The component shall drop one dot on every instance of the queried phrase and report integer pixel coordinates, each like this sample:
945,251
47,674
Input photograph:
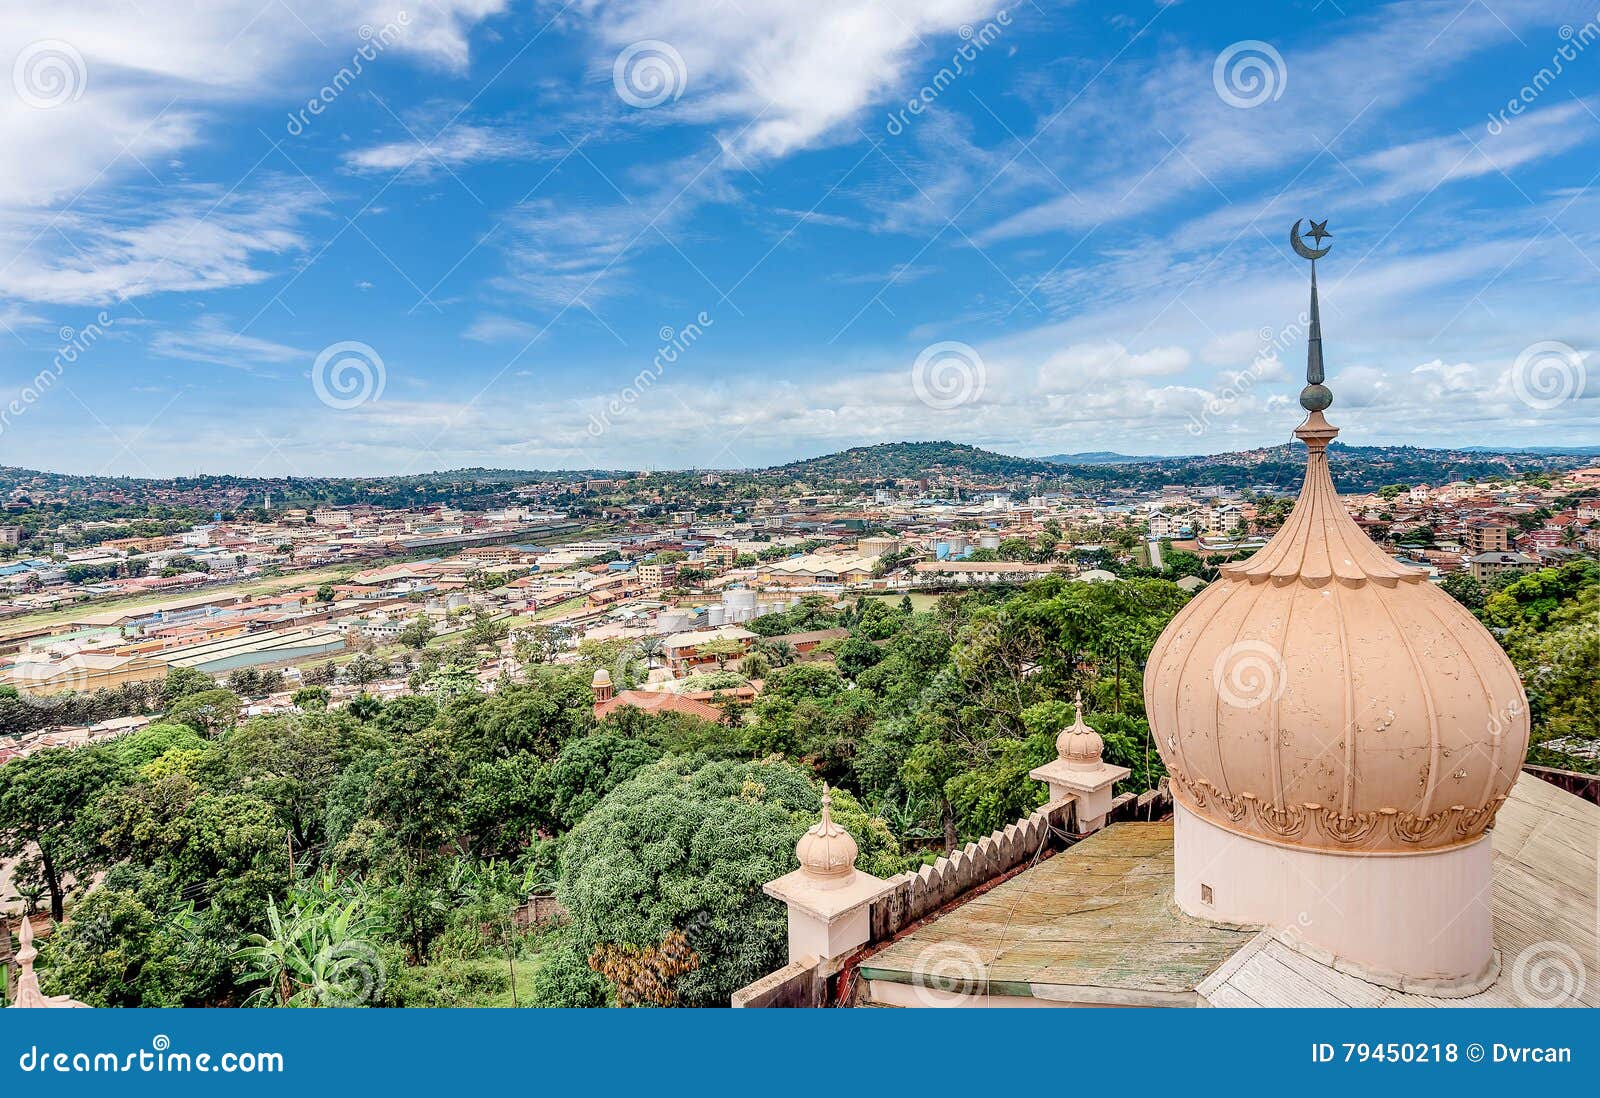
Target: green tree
209,712
687,848
47,818
417,632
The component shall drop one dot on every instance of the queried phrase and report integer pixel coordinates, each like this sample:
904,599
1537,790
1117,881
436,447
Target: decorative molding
1377,831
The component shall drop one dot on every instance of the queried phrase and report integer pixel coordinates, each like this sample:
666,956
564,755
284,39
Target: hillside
902,460
1354,468
1100,457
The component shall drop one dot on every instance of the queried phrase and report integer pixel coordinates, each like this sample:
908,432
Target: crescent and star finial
1319,233
1315,397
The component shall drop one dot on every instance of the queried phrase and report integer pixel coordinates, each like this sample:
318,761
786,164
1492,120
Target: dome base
1421,922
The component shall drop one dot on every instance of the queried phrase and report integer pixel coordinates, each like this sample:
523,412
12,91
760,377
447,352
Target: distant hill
189,499
915,459
1354,468
1100,457
1571,451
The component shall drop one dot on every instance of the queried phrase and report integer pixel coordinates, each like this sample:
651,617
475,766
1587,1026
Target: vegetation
1549,624
378,852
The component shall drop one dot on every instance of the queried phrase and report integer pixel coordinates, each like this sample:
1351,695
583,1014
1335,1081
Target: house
607,701
683,651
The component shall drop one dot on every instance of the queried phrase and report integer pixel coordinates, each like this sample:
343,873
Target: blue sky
501,211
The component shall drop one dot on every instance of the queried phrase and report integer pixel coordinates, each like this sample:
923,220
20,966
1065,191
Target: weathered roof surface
1545,842
1096,923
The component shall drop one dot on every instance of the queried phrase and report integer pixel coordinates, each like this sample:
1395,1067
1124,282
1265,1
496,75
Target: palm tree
321,953
779,653
650,648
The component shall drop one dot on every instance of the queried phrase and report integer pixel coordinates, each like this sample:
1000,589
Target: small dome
1079,745
827,853
602,677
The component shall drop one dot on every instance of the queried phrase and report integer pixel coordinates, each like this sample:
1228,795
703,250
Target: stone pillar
1078,773
829,899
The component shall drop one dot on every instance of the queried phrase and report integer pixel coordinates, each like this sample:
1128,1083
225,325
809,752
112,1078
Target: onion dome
1321,694
827,853
1080,746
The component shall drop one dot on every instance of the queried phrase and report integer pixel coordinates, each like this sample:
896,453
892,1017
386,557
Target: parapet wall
915,896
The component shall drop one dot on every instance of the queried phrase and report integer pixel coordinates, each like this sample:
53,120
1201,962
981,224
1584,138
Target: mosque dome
602,677
1322,695
827,853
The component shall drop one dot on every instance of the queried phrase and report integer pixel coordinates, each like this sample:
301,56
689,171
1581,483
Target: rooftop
1094,924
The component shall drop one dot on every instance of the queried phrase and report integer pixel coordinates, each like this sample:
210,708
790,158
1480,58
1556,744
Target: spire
1320,541
1314,374
28,993
1315,397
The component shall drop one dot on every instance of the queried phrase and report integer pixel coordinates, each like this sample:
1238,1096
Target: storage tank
989,541
737,601
715,616
674,621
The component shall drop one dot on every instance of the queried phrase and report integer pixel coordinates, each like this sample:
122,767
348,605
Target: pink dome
1323,695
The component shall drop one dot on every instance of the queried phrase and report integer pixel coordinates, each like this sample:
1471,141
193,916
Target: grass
560,608
919,602
526,968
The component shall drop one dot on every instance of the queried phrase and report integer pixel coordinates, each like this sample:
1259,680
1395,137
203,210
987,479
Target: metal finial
1315,397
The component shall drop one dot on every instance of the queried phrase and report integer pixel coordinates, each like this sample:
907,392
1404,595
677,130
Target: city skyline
364,241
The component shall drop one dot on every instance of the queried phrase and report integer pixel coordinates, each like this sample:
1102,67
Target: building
1485,537
1489,565
607,701
10,535
684,651
658,575
82,673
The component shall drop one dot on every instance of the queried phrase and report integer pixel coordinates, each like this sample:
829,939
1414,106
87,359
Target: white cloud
200,238
458,144
493,328
137,75
211,339
783,75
